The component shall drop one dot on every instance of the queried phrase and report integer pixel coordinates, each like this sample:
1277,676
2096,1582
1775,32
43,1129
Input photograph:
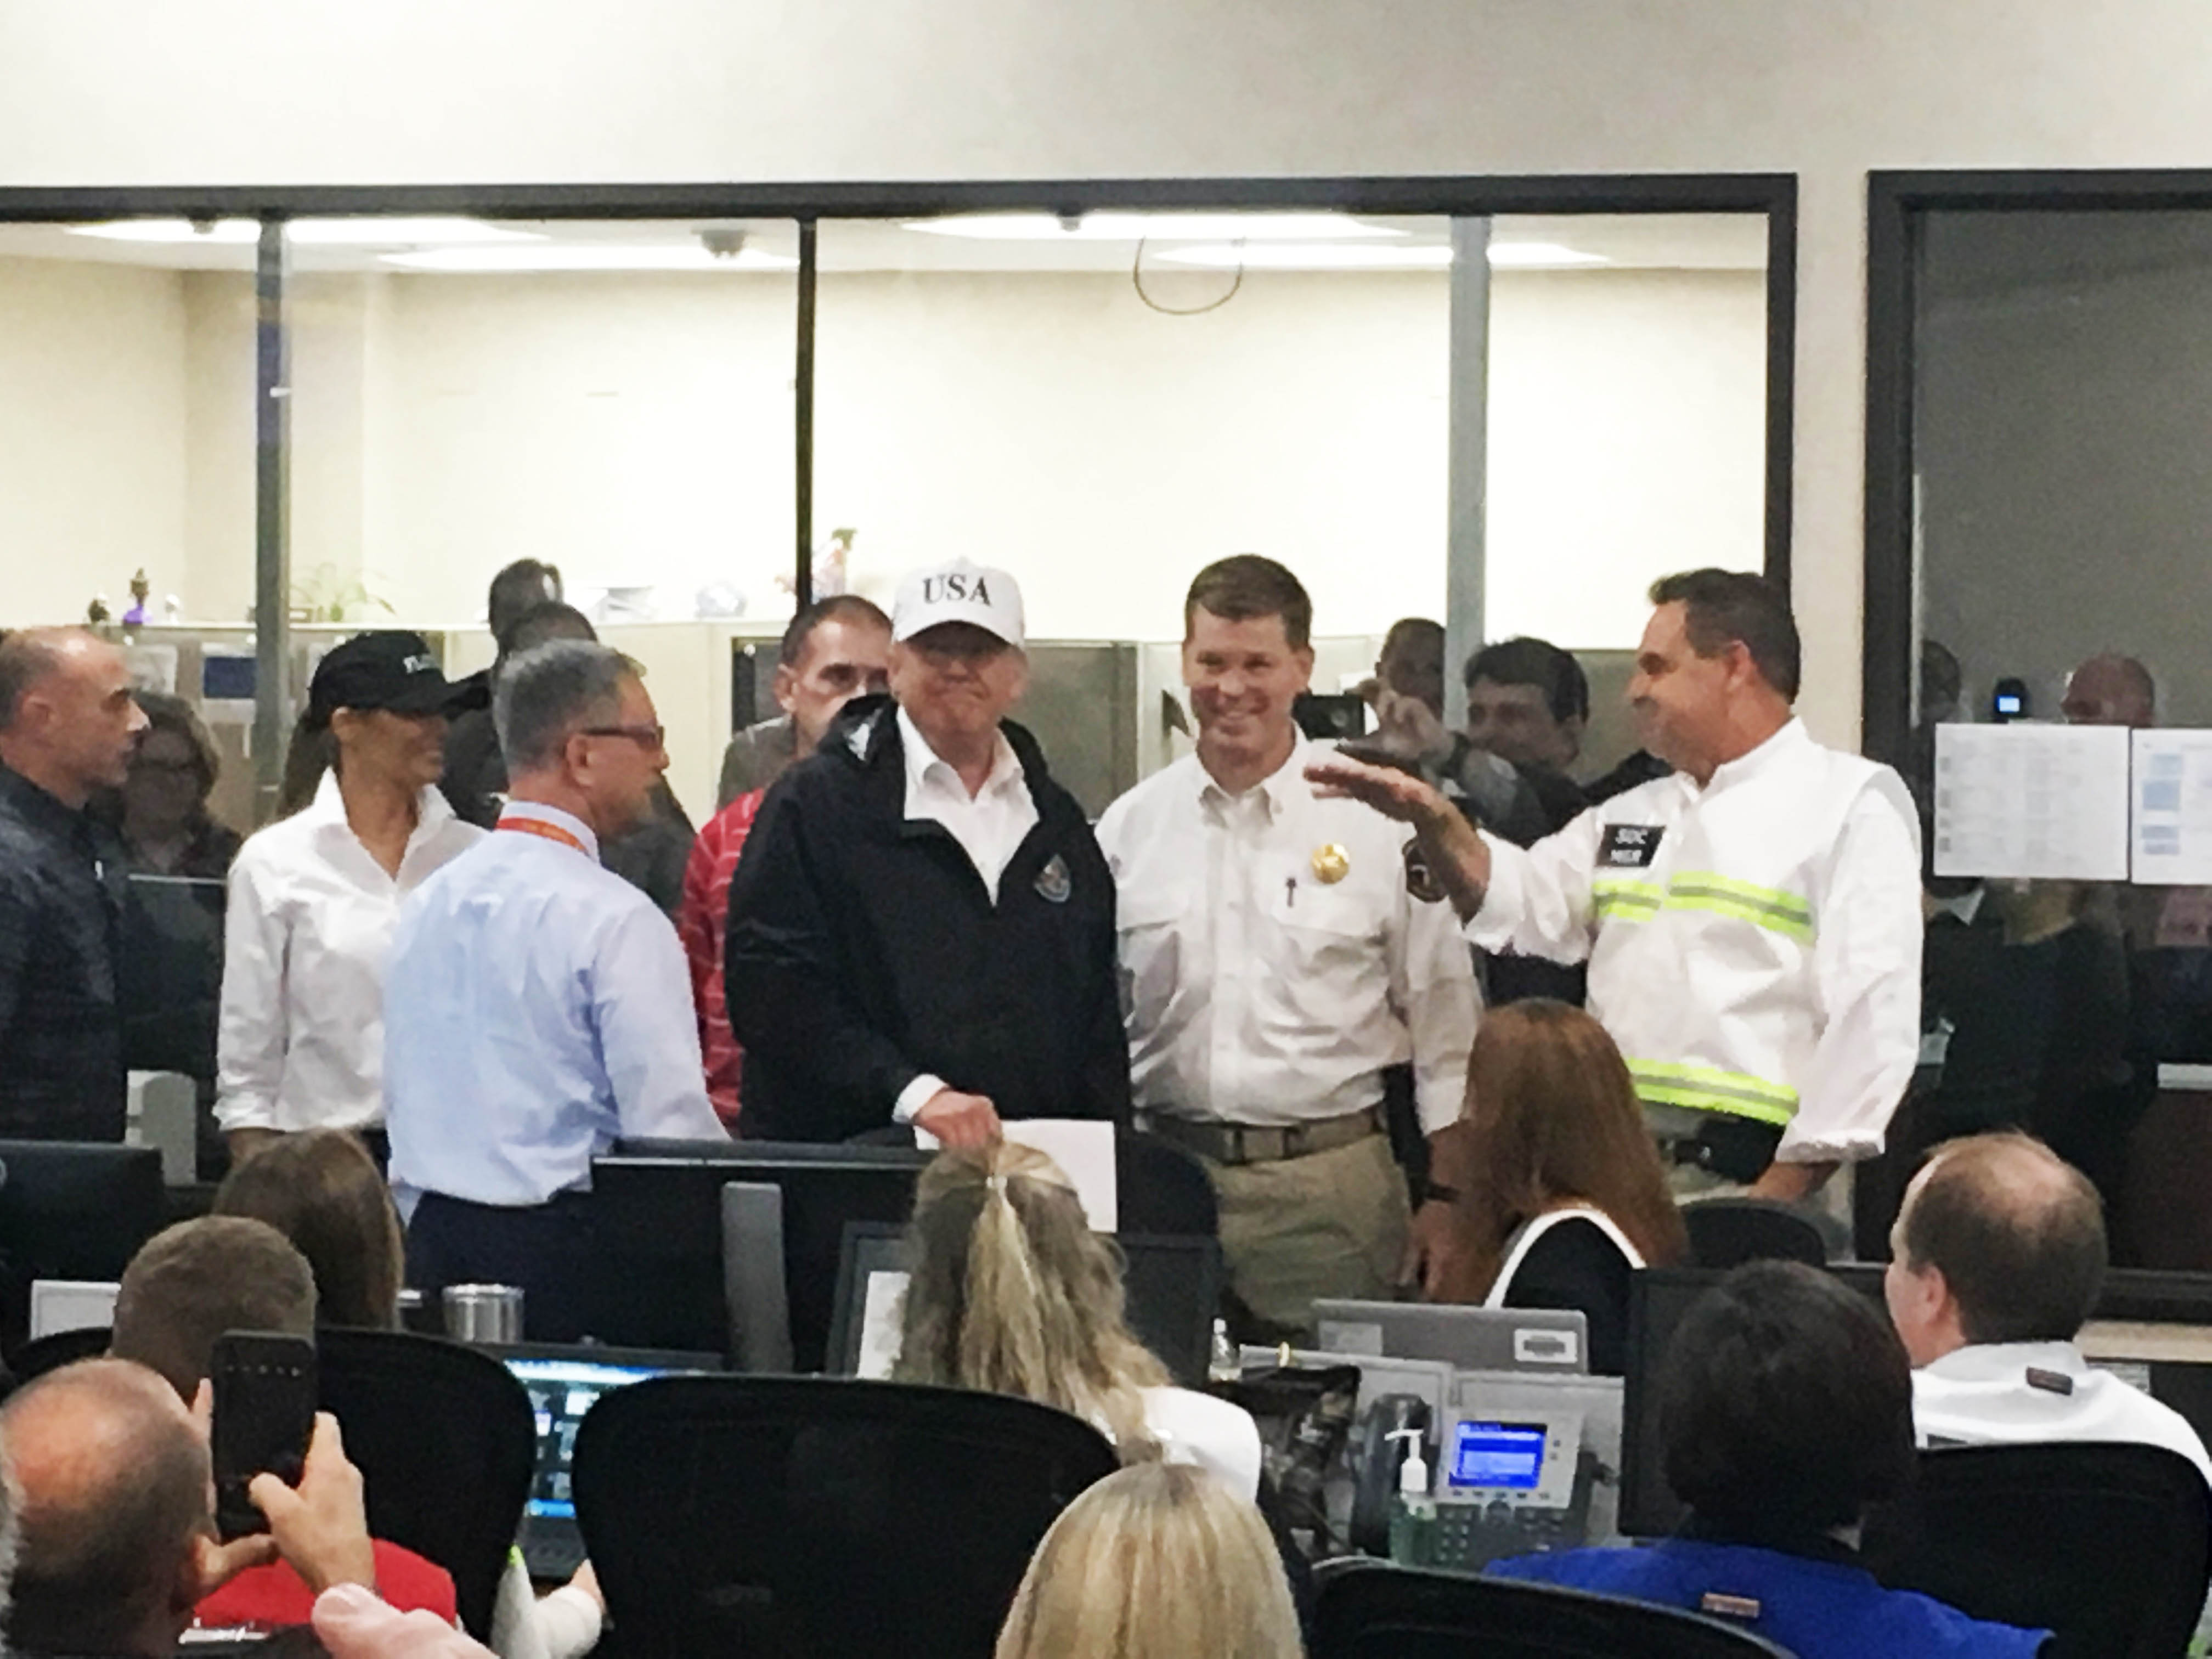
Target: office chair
2109,1546
56,1349
1161,1191
1727,1232
446,1445
818,1517
1371,1610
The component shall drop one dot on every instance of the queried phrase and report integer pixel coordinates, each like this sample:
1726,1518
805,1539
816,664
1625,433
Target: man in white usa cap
921,930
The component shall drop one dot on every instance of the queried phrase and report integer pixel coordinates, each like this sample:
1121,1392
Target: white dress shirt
1256,991
1981,1395
301,1041
538,1008
990,826
1753,944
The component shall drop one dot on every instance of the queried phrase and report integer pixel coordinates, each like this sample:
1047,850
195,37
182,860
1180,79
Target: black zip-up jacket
864,951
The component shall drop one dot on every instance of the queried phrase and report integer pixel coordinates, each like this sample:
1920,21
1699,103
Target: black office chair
1371,1610
447,1444
56,1349
817,1517
2109,1546
1161,1191
1727,1232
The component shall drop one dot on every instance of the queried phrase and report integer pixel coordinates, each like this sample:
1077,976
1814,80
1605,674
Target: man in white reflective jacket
1752,922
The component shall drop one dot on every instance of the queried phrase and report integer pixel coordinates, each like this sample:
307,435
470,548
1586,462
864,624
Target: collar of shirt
538,813
926,775
1791,740
1964,907
38,809
2005,1362
1278,791
327,811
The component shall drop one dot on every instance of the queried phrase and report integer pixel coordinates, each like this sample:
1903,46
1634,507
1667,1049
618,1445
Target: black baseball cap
390,668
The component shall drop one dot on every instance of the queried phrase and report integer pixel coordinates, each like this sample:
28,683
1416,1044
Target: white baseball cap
959,592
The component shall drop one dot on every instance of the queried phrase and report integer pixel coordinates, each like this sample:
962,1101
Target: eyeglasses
645,736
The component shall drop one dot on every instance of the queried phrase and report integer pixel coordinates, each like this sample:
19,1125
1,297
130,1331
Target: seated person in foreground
1998,1255
114,1491
1785,1407
184,1288
1160,1561
1558,1195
1012,1293
322,1190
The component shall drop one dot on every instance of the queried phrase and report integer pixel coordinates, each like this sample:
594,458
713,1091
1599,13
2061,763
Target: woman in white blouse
313,896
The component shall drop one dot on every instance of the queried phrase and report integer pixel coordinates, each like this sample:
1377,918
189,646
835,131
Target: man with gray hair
67,726
536,1007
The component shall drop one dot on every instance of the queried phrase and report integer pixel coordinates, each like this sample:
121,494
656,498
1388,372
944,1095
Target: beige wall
136,92
92,460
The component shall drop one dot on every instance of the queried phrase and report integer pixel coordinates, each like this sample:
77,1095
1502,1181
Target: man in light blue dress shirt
536,1007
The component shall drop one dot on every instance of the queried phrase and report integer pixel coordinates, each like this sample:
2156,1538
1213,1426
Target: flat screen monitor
71,1210
658,1209
1173,1287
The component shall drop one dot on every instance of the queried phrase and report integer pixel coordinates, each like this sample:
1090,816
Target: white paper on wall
2031,802
2172,842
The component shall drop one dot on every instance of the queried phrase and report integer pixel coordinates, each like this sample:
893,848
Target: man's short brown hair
2017,1233
193,1281
1244,587
1734,607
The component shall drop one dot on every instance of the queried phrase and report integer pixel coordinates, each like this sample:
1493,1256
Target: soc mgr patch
1629,846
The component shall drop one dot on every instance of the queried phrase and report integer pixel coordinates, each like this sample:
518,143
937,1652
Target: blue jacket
1826,1608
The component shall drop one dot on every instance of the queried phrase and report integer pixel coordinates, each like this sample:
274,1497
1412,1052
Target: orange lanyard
547,832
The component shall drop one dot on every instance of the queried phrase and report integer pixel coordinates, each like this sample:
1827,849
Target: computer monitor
658,1210
1173,1287
71,1304
564,1383
71,1210
1546,1339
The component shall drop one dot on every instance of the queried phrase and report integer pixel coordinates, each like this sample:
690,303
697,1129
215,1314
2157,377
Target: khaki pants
1330,1224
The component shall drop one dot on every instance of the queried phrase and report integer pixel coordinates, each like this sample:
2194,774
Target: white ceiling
1640,241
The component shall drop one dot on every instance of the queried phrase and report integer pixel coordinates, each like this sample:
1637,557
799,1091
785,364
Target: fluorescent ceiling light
222,232
366,232
400,233
1321,256
1354,256
1542,256
1109,226
602,256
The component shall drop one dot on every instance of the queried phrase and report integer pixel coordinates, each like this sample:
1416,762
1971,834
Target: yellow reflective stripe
1764,907
1700,1089
1631,901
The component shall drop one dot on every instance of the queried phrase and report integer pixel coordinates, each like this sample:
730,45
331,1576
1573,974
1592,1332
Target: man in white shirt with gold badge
1752,922
1279,953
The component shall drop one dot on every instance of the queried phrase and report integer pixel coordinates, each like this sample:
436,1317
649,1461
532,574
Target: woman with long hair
1560,1193
1155,1562
314,896
1010,1292
322,1190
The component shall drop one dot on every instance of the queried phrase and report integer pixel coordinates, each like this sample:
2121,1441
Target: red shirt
275,1597
702,922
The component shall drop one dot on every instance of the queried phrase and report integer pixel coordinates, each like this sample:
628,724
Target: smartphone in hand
265,1391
